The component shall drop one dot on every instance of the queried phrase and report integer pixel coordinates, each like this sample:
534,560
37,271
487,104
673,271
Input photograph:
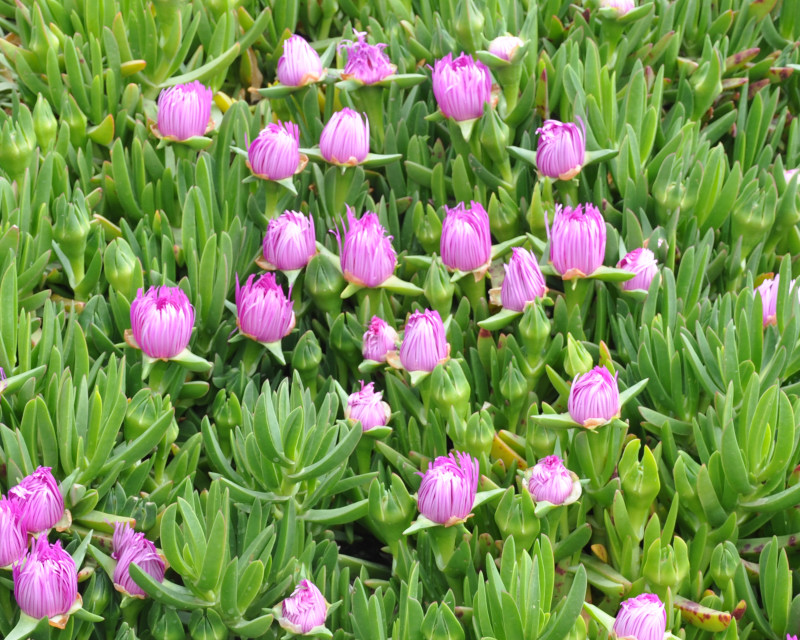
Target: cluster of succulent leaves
249,478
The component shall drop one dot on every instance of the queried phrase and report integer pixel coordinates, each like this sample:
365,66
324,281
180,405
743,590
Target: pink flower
641,618
379,338
561,150
345,138
264,313
162,320
304,609
38,501
132,547
577,240
622,6
368,406
184,110
275,153
466,242
366,62
788,174
424,342
461,87
788,637
505,46
550,481
365,252
300,64
45,582
448,488
643,263
13,536
290,241
594,398
768,290
524,281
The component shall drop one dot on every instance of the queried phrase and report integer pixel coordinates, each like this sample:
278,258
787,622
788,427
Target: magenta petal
449,487
424,342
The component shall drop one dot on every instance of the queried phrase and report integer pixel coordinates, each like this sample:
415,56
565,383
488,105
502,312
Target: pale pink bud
505,46
133,547
300,64
448,488
641,618
461,87
366,62
264,312
368,407
466,242
641,262
38,500
622,6
524,281
788,174
275,153
13,536
379,339
365,252
162,320
290,241
768,290
345,138
184,110
45,582
304,609
561,150
550,481
424,342
594,397
577,240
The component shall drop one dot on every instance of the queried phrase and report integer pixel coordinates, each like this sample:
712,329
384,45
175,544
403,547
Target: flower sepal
610,13
198,143
501,318
372,159
392,283
497,63
606,274
13,383
402,80
186,358
28,625
481,497
377,433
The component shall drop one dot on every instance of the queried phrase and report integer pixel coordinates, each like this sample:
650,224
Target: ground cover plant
442,319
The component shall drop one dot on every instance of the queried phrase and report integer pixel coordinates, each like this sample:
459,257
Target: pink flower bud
448,488
365,252
788,637
461,87
577,240
550,481
643,263
366,62
622,6
45,582
379,338
424,342
594,397
768,290
368,406
345,139
38,501
275,153
505,46
300,64
184,110
162,320
641,618
561,150
132,547
524,281
13,536
264,313
466,242
290,241
788,174
304,609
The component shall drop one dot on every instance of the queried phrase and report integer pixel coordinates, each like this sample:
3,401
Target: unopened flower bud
534,329
307,354
379,339
324,283
184,111
345,138
13,534
561,150
468,25
424,342
594,398
168,626
642,618
366,253
621,6
550,481
577,240
515,516
161,321
206,624
300,64
438,288
367,406
226,410
523,282
45,124
577,359
38,501
505,46
141,413
275,153
466,242
725,561
290,241
133,547
768,291
461,87
427,227
264,312
120,264
450,388
641,262
46,581
448,488
304,610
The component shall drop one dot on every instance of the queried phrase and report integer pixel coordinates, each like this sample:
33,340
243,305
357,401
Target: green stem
568,190
343,182
474,291
575,292
369,303
370,100
251,357
364,450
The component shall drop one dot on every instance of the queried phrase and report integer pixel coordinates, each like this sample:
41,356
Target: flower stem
474,291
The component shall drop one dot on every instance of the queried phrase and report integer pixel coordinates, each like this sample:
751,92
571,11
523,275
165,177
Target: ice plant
184,111
577,240
524,281
305,609
562,149
642,263
622,6
46,581
550,481
461,87
424,342
367,405
13,536
788,174
641,618
466,242
275,153
290,241
38,500
594,398
161,321
505,46
379,338
448,488
300,64
133,547
365,251
264,313
345,138
366,62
